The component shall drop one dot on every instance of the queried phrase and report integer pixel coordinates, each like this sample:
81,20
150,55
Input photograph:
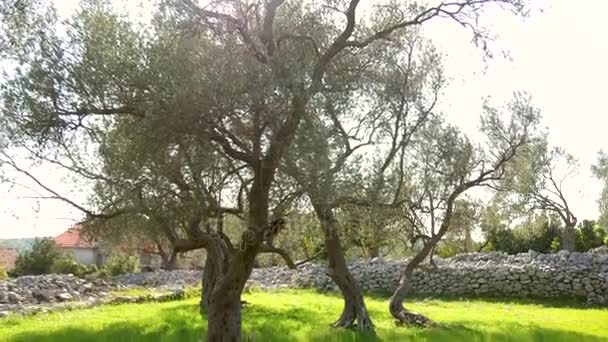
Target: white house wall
85,256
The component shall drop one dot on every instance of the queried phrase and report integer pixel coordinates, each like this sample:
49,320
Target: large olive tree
241,76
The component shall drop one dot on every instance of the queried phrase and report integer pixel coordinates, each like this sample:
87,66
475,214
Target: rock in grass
64,297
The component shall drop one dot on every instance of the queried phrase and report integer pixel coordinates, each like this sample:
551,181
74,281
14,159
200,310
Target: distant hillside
19,244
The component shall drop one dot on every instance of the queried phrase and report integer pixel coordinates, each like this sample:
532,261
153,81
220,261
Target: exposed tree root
347,321
351,320
413,319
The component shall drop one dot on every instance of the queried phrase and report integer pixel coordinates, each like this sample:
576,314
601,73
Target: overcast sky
558,56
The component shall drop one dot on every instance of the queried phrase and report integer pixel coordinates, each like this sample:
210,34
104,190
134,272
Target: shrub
67,264
589,235
446,250
38,260
3,274
555,245
92,269
539,235
120,263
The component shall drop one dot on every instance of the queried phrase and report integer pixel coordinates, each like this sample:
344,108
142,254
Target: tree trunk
568,238
373,252
170,263
431,253
216,263
224,319
396,308
224,311
210,278
354,304
224,314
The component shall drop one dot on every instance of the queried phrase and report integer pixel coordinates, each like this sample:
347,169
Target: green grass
304,316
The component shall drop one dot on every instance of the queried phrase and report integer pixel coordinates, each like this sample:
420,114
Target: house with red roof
85,251
8,256
89,252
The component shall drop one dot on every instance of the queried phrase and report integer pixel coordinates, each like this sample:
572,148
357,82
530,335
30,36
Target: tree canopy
254,111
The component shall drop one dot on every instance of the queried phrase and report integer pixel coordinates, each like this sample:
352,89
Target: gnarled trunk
396,308
216,264
224,319
224,313
354,303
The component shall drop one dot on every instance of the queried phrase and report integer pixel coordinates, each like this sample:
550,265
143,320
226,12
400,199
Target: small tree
445,165
120,263
67,264
38,260
533,183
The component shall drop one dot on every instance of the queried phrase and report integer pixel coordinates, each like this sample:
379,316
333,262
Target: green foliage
447,250
3,274
92,269
67,264
589,235
120,263
542,234
38,260
538,235
44,257
555,245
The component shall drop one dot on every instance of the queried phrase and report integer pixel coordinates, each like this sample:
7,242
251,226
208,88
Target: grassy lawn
304,316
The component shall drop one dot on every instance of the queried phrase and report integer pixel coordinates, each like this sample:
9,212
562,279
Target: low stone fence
570,275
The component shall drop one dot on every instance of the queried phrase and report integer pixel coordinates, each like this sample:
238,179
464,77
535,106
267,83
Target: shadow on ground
266,324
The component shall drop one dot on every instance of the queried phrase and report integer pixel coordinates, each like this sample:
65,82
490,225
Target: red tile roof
73,238
7,258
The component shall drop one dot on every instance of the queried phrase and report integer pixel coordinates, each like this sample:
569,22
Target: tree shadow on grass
297,324
570,303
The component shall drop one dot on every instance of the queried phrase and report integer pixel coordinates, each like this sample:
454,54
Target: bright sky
558,56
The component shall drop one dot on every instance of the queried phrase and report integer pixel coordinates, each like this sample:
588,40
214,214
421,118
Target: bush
38,260
539,235
92,269
120,263
3,274
555,245
67,264
589,235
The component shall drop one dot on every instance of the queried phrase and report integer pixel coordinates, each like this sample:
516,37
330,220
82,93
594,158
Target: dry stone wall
570,275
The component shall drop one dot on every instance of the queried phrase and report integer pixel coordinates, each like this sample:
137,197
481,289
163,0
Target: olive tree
399,88
442,165
535,183
240,76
